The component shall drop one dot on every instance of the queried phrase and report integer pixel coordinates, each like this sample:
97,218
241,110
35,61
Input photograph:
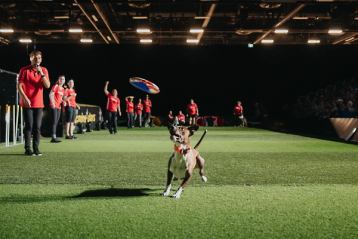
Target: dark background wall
215,76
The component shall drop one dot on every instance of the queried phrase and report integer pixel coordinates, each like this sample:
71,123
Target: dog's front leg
186,180
169,178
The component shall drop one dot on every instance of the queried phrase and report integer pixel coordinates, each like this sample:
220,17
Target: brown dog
184,159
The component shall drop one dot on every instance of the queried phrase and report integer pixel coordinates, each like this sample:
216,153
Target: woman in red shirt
130,111
71,105
193,112
32,79
113,107
56,98
138,112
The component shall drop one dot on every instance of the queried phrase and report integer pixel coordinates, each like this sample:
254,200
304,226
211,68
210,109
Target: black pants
56,113
147,121
112,122
130,118
33,120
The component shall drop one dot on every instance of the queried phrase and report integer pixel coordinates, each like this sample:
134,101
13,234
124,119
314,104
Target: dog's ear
192,129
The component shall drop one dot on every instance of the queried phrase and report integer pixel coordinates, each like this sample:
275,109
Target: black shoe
74,137
37,153
55,140
68,137
28,152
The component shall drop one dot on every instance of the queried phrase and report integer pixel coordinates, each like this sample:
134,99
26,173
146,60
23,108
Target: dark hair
34,53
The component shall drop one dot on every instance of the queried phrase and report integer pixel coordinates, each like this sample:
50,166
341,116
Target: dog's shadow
116,192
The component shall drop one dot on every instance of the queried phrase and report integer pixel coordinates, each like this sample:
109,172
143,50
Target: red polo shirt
238,110
58,92
130,107
112,103
147,106
72,101
181,117
192,109
139,108
32,85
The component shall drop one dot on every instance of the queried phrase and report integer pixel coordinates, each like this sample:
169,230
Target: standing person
71,105
113,106
56,98
130,111
193,112
32,79
147,111
181,118
239,114
138,113
170,118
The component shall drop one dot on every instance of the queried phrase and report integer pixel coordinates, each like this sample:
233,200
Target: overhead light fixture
196,30
192,41
335,31
140,17
86,40
25,40
6,30
356,18
95,18
313,41
200,17
61,17
267,41
300,18
75,30
250,45
109,38
146,41
281,31
144,31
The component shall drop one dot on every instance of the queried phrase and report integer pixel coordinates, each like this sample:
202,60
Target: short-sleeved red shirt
192,109
112,103
147,105
32,85
129,106
72,101
139,108
181,117
58,93
238,110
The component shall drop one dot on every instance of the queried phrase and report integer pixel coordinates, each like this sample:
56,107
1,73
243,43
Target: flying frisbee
144,85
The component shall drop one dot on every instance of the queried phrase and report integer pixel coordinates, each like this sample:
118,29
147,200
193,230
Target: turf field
261,184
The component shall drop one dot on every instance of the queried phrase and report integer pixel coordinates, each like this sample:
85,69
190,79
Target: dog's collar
180,149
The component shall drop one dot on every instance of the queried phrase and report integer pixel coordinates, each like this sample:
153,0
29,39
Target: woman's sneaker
37,153
28,152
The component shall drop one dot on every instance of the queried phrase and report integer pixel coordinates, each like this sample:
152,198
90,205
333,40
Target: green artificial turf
261,184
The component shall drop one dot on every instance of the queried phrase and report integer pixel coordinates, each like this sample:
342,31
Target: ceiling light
75,30
313,41
300,18
250,45
200,17
146,41
192,41
86,40
335,31
95,18
6,30
196,30
267,41
109,38
143,31
140,17
61,17
281,31
25,40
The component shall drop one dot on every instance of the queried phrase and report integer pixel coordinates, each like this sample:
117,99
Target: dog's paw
166,193
178,193
204,179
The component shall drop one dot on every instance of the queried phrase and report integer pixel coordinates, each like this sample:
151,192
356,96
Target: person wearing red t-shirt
32,79
70,109
138,112
148,111
239,114
130,111
113,108
56,98
171,118
193,112
181,118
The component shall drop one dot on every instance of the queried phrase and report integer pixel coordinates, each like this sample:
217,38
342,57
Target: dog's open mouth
177,138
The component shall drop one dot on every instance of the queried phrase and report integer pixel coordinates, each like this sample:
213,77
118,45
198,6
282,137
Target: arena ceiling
168,22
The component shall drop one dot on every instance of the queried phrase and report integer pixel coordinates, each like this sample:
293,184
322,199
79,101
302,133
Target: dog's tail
201,139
